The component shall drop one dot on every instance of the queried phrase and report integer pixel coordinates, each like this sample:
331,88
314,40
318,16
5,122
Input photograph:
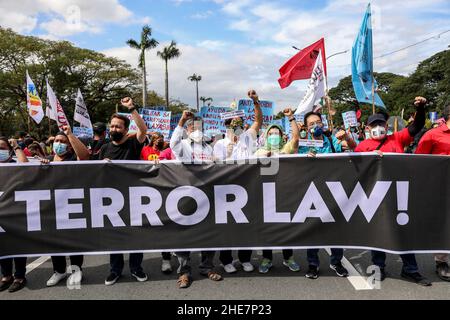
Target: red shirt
435,141
394,143
150,154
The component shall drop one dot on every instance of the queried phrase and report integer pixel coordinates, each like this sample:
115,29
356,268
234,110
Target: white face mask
4,155
196,136
378,133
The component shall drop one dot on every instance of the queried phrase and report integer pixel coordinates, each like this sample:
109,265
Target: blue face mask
4,155
60,148
317,131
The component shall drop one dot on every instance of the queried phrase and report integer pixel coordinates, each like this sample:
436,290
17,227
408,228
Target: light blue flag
362,64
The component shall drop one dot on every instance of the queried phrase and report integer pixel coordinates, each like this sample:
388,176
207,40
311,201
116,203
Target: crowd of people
188,144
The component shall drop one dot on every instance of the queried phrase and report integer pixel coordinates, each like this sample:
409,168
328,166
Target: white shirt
243,149
186,150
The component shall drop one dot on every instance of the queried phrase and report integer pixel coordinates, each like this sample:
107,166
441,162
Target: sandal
214,276
184,281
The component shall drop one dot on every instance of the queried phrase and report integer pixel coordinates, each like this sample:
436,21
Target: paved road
279,283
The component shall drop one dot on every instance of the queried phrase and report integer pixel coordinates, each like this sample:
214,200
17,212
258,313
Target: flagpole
29,124
373,96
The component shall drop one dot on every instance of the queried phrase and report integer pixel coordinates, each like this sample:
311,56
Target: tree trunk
198,108
144,82
167,86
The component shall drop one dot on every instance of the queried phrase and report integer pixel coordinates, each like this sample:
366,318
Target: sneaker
265,266
6,284
417,278
112,279
339,269
75,278
17,285
166,267
248,267
442,271
56,278
140,276
313,272
291,264
230,268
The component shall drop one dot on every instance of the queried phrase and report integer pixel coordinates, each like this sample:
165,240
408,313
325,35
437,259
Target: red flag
301,65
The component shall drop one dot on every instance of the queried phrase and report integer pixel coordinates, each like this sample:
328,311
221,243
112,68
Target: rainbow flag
34,103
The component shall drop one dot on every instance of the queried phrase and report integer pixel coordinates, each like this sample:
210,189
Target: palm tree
197,79
146,43
205,100
167,54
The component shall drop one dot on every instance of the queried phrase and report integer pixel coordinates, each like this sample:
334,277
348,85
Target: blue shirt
326,147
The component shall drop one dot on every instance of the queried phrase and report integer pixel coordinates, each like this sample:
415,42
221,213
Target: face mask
59,148
378,133
196,136
116,136
4,155
367,134
303,134
317,131
274,141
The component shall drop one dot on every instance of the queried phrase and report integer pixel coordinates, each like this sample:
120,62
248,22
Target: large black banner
397,203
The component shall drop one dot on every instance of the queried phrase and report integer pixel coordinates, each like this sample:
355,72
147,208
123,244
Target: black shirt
96,146
69,157
129,150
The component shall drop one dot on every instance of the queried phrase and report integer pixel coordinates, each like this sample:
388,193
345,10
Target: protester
125,147
66,147
275,145
239,145
99,129
193,149
156,150
437,141
331,144
36,150
11,282
380,142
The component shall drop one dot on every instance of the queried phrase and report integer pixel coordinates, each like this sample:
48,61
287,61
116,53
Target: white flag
34,103
316,89
81,113
56,111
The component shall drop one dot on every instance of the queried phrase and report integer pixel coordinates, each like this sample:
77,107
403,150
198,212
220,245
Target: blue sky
236,44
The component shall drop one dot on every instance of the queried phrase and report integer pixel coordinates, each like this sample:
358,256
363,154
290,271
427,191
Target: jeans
226,256
287,253
59,263
206,265
313,256
409,261
7,267
117,263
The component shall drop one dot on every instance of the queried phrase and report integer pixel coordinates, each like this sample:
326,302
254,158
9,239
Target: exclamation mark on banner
1,229
402,202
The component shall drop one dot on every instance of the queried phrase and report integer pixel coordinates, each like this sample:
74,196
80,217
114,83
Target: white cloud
202,15
63,17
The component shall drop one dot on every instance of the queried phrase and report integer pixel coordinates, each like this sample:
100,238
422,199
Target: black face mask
116,136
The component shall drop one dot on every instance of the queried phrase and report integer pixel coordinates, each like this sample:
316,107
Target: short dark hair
312,113
123,118
447,113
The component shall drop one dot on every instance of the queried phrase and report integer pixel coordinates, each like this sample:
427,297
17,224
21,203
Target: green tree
168,53
146,43
103,80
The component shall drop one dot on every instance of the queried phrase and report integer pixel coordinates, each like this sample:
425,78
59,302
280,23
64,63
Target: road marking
357,281
36,263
